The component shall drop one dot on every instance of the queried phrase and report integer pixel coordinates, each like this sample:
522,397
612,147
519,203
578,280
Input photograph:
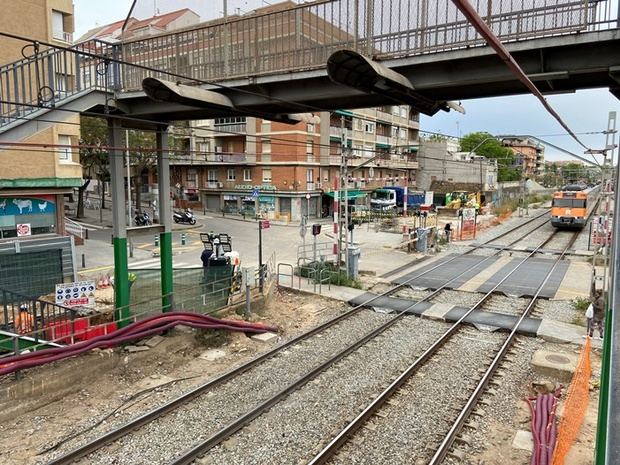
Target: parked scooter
142,219
186,217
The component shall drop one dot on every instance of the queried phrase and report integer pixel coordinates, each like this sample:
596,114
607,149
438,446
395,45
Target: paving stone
523,440
265,337
133,349
152,341
213,354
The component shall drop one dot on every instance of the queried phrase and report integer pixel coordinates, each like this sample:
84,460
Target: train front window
579,203
564,203
569,203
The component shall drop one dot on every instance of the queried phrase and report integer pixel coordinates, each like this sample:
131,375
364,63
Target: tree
483,143
93,157
573,172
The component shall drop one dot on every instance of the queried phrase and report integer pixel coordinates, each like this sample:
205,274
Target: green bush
581,304
337,277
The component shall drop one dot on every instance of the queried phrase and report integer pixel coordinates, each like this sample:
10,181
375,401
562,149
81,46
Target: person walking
598,318
447,229
589,318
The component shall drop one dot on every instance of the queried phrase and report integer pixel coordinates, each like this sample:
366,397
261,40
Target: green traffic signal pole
165,219
119,241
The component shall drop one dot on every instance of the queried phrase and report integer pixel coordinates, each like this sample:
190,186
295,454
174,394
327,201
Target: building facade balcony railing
229,129
213,158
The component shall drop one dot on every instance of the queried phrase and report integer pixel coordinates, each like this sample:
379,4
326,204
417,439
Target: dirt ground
141,380
499,436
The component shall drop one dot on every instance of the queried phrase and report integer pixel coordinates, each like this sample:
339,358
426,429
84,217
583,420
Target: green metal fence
195,289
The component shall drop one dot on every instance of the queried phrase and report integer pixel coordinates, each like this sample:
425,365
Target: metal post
370,14
128,178
607,451
314,249
121,281
356,9
260,256
165,219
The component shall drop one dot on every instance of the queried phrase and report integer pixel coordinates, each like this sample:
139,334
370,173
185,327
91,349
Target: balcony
63,36
213,158
229,129
383,140
213,185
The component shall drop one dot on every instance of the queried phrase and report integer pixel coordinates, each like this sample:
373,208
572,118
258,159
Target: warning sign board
79,294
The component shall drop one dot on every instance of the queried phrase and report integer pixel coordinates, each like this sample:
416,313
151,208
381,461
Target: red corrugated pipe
138,330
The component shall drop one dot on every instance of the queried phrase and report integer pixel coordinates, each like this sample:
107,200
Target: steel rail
334,445
447,442
190,455
173,404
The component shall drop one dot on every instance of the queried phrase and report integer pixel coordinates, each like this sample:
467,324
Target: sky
583,111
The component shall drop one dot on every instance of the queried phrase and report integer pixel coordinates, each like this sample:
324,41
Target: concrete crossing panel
469,265
527,278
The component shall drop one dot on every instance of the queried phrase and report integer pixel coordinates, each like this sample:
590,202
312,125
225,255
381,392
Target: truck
383,199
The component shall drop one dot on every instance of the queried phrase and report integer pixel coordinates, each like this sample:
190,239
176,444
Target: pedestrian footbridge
274,63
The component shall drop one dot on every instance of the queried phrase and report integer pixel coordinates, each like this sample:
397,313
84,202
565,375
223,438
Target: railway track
363,448
121,434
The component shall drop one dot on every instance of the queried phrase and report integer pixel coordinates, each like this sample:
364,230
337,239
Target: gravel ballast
178,430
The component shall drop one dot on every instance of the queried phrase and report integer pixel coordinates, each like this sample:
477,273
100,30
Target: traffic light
350,226
316,229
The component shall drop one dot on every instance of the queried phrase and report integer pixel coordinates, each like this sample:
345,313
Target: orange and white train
571,207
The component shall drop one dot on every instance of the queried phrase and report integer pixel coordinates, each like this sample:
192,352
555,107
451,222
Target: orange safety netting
574,407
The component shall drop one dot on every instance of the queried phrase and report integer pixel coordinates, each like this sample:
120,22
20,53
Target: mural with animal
21,204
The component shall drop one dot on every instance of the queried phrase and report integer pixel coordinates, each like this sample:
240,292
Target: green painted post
121,282
603,399
166,270
165,219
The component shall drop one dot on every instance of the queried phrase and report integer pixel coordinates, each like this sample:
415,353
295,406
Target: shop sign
24,229
250,187
81,293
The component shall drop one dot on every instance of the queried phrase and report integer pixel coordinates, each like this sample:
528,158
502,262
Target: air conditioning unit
220,185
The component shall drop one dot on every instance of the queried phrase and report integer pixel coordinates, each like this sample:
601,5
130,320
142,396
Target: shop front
30,215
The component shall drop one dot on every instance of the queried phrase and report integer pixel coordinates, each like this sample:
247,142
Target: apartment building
34,181
530,155
250,166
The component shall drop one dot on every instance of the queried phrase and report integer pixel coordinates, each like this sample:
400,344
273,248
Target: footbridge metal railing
290,38
302,37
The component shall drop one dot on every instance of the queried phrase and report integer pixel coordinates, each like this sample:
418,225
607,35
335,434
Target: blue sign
255,193
10,206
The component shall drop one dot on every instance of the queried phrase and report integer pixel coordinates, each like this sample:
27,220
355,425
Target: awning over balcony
352,194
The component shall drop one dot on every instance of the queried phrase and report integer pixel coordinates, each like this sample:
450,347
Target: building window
204,147
403,112
247,174
266,146
359,124
310,127
267,175
403,133
192,179
370,128
59,26
65,154
310,151
310,179
265,126
395,110
211,176
394,131
230,174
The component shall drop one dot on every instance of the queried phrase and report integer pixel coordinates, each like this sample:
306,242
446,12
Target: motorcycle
184,217
142,219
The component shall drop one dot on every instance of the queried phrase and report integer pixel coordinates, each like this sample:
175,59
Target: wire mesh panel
32,274
195,289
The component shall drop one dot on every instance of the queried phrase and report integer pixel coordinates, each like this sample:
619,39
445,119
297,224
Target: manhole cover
555,358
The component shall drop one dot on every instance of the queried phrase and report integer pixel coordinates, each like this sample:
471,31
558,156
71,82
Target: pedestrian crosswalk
154,263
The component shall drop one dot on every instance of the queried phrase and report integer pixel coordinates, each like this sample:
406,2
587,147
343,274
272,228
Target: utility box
354,257
421,243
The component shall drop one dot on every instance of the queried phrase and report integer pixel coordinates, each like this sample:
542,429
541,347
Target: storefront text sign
250,187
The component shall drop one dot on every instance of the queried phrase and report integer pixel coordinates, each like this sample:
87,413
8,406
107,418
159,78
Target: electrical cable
487,34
